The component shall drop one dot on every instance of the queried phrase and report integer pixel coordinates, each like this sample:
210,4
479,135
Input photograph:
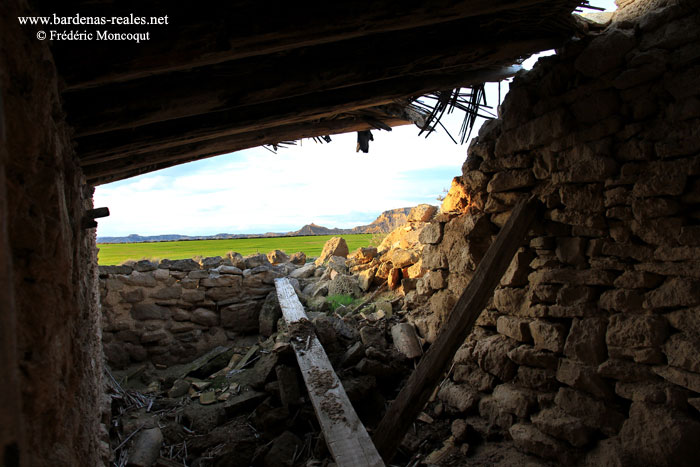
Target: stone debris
585,355
252,390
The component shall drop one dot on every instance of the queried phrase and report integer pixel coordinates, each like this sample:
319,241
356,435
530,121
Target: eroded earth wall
589,349
51,359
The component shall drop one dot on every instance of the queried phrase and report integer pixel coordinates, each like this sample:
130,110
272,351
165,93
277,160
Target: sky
256,191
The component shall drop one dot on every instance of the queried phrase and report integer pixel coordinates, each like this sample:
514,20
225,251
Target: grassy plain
117,253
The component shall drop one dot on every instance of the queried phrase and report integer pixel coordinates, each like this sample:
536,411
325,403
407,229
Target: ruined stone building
587,351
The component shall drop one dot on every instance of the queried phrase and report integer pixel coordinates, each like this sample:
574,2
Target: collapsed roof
214,81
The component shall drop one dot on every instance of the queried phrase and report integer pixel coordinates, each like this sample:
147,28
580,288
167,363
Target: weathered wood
92,150
345,435
198,37
105,169
286,112
256,80
437,359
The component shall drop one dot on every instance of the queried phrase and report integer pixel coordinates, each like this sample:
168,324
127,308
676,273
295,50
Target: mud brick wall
174,311
50,355
589,349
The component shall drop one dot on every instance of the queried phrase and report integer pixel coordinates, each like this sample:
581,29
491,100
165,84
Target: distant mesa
385,223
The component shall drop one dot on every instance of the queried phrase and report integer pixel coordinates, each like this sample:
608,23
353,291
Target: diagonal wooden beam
437,359
346,437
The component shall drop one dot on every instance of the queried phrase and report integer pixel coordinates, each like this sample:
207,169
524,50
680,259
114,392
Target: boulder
422,213
241,317
457,199
513,327
529,439
394,278
365,279
270,313
335,246
298,258
657,435
205,317
304,272
254,261
277,257
401,258
364,255
431,233
548,336
492,356
511,399
344,285
586,340
459,397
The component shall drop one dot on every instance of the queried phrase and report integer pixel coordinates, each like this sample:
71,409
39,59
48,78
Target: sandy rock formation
335,246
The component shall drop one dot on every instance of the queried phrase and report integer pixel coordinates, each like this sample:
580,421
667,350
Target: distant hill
313,229
385,223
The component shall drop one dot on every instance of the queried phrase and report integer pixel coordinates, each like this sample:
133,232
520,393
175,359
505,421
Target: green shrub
336,300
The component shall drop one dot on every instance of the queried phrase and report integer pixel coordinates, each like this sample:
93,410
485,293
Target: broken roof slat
345,435
271,119
204,83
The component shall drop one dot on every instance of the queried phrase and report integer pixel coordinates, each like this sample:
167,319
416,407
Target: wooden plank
117,167
345,435
93,150
196,37
255,81
284,112
438,358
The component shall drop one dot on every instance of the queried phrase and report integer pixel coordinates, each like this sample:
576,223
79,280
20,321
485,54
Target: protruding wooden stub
88,221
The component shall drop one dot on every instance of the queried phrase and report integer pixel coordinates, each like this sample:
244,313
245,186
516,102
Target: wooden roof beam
105,170
200,36
266,79
284,112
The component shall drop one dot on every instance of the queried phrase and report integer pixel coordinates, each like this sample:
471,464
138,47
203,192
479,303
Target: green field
117,253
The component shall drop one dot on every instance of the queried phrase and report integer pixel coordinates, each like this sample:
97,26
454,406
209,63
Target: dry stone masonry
174,311
589,349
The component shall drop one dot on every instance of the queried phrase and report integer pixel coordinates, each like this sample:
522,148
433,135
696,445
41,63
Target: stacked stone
173,311
589,349
397,260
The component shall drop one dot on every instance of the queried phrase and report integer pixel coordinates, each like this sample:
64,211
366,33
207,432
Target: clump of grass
337,300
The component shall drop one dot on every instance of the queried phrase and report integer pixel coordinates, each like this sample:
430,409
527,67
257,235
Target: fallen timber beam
193,39
345,435
422,382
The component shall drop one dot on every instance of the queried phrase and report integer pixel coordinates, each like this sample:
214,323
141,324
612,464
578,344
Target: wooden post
437,359
345,435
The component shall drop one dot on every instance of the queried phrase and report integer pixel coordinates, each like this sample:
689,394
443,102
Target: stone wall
173,311
589,349
51,360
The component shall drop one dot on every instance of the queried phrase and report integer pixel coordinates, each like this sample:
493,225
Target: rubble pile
247,404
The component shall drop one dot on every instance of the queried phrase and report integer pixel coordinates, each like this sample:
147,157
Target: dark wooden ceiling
225,76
